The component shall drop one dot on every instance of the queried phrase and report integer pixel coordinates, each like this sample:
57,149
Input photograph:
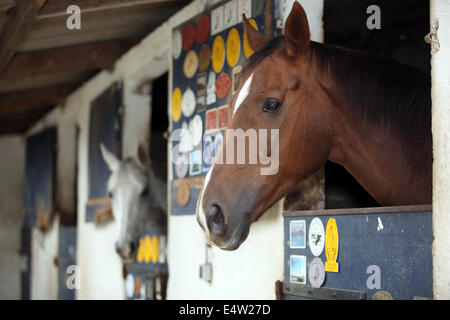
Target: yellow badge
218,54
233,47
176,104
247,50
331,246
190,64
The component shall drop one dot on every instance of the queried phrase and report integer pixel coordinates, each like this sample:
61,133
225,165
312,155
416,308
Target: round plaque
316,237
196,129
188,37
233,47
218,54
190,64
316,273
183,194
188,103
204,58
181,166
203,27
176,104
176,44
247,50
223,85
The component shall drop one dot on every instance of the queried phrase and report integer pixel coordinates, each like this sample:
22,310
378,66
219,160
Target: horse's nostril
216,219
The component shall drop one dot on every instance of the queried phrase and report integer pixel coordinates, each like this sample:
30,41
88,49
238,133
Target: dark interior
404,23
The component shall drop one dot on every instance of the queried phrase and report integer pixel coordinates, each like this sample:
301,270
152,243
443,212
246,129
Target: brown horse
368,114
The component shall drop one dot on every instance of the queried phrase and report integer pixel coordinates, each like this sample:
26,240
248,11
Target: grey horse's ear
142,156
110,159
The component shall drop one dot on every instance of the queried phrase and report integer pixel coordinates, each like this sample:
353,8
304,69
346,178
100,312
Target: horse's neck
395,170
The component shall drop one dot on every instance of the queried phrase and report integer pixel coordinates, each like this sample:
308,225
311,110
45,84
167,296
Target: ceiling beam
57,8
17,27
63,65
21,102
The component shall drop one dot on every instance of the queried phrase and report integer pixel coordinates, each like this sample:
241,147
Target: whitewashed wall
249,272
12,211
440,72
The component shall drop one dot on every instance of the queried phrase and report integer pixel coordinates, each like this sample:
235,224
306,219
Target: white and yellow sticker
331,246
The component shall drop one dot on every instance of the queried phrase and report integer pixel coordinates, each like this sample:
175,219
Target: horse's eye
144,192
271,105
110,194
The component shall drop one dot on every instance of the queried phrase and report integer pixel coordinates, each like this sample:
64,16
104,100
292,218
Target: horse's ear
110,159
255,39
142,156
296,31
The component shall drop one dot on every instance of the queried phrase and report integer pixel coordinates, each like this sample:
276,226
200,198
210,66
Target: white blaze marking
201,213
243,93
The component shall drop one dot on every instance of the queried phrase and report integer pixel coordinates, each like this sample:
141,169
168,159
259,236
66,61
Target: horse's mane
378,90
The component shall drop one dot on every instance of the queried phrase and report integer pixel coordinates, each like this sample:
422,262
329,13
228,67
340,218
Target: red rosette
223,85
188,37
203,27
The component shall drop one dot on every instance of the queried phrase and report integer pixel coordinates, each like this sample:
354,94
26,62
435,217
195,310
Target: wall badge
203,27
297,234
176,104
316,273
218,54
188,37
190,64
176,44
223,85
188,102
233,47
204,58
331,246
316,237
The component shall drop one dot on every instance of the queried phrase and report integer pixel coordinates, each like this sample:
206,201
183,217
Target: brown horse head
300,104
271,108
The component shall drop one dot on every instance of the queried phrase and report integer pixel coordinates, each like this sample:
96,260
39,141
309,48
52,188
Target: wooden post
440,73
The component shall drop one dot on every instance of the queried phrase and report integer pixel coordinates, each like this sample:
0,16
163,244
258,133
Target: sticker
258,7
196,163
248,51
176,44
316,237
236,73
188,37
297,266
297,229
129,286
218,54
211,119
203,27
245,7
331,246
137,286
190,64
204,58
181,166
316,273
223,85
218,139
208,152
233,47
211,88
217,24
223,117
201,103
201,84
176,104
188,102
382,295
196,130
183,194
185,138
230,14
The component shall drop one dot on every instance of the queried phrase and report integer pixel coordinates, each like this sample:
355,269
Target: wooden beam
63,65
21,123
16,29
21,102
58,8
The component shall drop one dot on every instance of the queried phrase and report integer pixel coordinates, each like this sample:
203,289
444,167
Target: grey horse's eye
144,192
110,194
271,105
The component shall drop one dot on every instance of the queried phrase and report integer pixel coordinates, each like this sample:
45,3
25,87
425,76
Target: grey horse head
137,197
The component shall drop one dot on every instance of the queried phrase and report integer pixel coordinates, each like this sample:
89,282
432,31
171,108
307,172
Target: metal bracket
305,291
431,37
